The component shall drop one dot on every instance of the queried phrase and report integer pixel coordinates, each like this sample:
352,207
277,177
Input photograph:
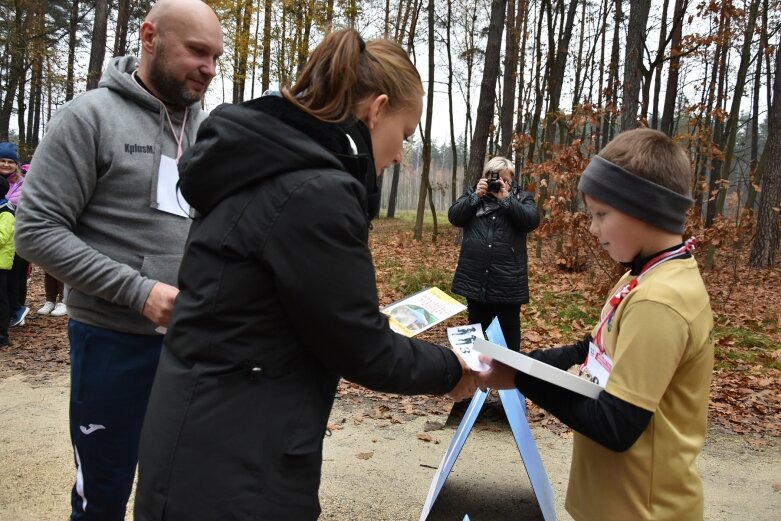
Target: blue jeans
111,377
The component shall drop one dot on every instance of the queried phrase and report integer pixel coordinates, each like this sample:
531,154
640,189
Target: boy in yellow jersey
635,445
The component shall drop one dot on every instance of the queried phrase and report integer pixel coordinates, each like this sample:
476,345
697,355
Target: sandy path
742,481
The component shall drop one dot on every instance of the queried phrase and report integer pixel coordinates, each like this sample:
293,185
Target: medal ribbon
620,295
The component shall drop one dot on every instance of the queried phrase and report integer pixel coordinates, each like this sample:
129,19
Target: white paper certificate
462,339
538,369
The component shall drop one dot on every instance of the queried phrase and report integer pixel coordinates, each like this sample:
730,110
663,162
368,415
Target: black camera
494,182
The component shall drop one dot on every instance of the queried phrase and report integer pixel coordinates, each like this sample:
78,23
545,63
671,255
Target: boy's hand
498,376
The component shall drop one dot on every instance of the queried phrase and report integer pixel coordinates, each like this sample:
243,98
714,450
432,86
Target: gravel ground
377,470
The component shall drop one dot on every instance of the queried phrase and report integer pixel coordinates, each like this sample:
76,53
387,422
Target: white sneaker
59,310
46,308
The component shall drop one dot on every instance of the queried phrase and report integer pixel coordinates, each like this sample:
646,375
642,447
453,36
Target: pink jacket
15,182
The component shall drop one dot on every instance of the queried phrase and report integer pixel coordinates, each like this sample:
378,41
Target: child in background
7,221
11,171
635,446
53,288
54,291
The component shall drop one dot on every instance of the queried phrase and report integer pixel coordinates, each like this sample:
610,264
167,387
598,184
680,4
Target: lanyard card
598,366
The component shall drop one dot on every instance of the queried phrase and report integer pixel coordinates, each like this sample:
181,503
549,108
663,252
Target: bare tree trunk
657,70
351,14
120,33
425,186
600,81
580,64
453,148
255,51
470,56
265,75
394,191
671,92
556,79
717,84
72,32
523,13
329,17
485,112
755,172
98,49
534,125
510,66
765,244
17,42
633,62
282,65
734,113
303,46
611,101
36,80
21,108
242,15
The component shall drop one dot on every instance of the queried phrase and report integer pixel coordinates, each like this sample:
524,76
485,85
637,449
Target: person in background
54,291
492,271
11,170
53,288
278,292
635,447
7,222
96,214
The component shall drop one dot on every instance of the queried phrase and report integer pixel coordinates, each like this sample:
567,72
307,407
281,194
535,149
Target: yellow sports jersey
660,341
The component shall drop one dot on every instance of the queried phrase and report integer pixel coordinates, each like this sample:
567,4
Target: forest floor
389,440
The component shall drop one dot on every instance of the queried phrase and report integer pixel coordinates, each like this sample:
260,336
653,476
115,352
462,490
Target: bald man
101,212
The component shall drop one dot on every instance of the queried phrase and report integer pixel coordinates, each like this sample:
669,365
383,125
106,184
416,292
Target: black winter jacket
278,300
492,266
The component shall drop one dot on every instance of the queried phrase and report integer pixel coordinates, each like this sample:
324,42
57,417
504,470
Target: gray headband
633,195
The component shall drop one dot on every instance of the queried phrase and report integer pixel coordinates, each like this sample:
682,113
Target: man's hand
498,376
466,386
160,303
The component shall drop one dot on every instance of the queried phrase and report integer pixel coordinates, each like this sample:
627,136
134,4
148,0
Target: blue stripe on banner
515,407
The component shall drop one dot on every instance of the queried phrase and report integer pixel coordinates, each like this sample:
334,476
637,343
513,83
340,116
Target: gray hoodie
88,212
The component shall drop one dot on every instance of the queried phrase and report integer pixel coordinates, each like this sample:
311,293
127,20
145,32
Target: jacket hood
118,76
263,138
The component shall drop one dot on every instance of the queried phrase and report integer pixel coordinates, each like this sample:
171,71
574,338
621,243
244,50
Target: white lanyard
178,138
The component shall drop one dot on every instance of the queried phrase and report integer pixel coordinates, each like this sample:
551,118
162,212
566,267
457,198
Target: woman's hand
466,386
482,187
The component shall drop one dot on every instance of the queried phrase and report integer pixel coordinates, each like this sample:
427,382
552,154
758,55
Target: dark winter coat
492,266
278,300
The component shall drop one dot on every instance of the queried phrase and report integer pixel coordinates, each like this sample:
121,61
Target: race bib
598,366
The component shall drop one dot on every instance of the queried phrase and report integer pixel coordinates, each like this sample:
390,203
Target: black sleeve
523,212
609,421
564,357
464,209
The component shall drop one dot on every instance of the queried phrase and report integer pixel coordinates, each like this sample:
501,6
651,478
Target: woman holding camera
492,274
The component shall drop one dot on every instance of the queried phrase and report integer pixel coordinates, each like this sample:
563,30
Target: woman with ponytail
278,296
